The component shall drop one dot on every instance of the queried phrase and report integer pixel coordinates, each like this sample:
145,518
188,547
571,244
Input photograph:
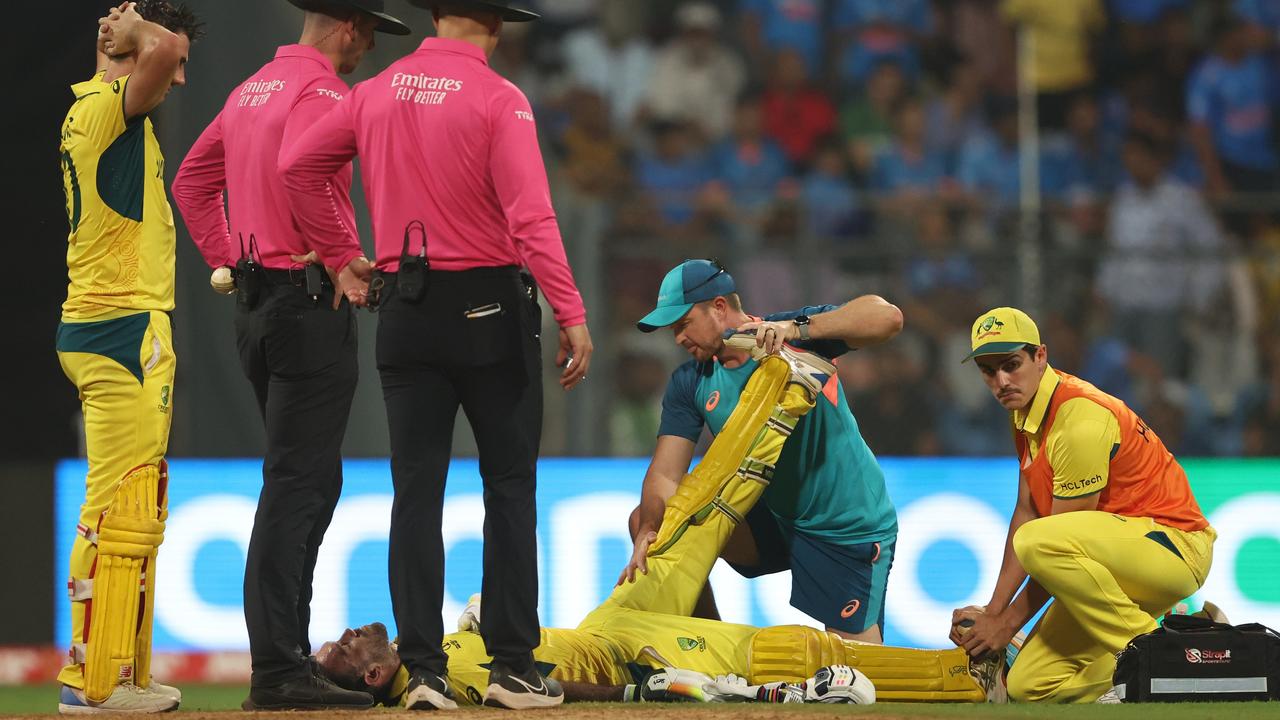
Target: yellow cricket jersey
1082,442
562,654
120,251
1075,440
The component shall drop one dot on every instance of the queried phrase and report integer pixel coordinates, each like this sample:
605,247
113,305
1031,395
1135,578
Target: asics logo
713,400
850,609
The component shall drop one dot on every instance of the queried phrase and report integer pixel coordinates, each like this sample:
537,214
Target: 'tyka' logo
688,643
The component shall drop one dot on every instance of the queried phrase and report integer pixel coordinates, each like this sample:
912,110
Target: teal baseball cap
692,281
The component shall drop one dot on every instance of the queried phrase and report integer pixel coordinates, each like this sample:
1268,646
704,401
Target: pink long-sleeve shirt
239,152
445,140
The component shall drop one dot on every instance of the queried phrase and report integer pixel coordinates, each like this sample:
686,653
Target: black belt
384,283
292,276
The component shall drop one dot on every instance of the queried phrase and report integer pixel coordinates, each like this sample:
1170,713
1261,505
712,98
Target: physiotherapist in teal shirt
826,515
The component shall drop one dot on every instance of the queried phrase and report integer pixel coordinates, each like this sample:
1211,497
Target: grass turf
43,700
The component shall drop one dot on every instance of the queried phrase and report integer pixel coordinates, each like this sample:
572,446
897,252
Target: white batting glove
469,620
839,684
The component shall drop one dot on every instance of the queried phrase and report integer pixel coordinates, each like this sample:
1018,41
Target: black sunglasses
719,271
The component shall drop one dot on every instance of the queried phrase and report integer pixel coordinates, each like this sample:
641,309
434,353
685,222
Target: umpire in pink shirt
459,198
295,332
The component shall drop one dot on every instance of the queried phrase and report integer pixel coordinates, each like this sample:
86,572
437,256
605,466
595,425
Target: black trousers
472,341
300,356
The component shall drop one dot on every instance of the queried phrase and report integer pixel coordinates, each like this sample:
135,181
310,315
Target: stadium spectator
613,58
955,114
1082,164
907,171
1143,12
874,31
976,31
594,156
1262,408
988,169
514,59
796,114
1137,23
633,418
940,273
832,208
943,285
895,412
559,16
673,173
1263,259
773,26
1229,98
696,78
866,120
750,165
1160,258
1061,35
1263,20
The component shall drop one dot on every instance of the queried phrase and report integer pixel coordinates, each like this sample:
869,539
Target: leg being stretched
713,499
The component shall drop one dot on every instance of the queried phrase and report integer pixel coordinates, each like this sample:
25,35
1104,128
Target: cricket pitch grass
223,702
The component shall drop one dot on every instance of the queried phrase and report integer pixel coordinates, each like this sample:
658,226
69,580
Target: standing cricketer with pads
295,331
115,343
1105,524
459,197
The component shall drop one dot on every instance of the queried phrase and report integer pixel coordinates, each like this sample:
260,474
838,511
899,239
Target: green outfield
202,699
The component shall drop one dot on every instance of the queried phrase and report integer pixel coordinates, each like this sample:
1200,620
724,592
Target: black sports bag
1197,659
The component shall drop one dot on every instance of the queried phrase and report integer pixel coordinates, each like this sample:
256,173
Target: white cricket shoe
168,690
126,698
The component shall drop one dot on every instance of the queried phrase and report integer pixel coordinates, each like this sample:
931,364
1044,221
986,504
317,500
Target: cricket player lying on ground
643,627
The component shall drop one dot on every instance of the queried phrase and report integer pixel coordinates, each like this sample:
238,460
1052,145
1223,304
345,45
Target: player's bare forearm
1025,605
863,321
652,507
159,54
670,462
1011,571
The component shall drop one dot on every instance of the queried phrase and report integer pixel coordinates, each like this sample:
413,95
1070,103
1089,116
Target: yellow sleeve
100,114
1081,442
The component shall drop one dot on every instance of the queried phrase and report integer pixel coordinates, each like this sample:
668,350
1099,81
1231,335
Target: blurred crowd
823,149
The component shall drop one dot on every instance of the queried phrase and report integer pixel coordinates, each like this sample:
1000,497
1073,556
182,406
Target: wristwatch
802,324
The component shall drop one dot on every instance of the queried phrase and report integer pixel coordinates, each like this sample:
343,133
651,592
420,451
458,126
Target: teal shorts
841,586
